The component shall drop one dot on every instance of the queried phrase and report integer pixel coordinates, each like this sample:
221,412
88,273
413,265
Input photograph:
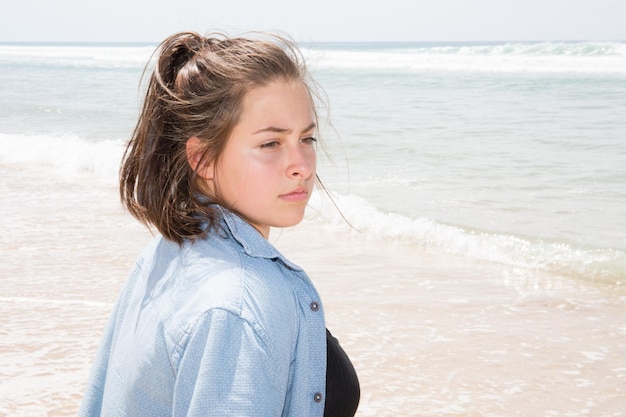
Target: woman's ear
195,151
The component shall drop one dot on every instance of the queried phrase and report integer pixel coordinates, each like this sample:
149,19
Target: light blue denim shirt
225,326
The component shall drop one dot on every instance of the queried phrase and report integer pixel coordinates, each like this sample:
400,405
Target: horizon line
302,42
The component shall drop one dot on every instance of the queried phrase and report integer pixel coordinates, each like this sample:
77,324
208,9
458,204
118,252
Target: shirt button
315,306
317,397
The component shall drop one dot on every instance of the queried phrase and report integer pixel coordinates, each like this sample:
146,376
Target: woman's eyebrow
275,129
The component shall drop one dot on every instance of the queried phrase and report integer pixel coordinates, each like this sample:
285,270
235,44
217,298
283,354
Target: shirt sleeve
227,369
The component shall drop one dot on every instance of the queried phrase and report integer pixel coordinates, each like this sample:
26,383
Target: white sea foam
77,55
558,257
586,57
540,57
66,156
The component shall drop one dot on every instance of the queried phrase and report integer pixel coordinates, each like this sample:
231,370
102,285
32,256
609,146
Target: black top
342,384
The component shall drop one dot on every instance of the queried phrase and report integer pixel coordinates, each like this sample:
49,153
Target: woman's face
267,169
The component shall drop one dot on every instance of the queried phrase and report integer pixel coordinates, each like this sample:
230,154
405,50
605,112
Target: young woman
213,320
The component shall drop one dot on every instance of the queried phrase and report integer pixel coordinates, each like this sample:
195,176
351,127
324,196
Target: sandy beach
430,335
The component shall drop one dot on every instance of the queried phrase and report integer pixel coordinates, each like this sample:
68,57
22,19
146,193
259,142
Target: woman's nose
301,161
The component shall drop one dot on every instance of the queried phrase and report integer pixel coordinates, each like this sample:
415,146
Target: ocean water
513,153
506,152
483,182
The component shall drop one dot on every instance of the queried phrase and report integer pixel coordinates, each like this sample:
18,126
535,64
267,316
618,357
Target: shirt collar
251,240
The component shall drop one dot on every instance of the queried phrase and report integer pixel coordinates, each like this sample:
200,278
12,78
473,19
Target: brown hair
196,88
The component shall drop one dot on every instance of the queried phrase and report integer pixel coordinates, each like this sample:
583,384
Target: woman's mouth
295,196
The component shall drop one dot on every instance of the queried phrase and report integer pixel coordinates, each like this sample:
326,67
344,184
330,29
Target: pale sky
316,21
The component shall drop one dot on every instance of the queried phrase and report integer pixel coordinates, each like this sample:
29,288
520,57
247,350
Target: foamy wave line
50,301
69,156
601,58
570,57
605,265
83,56
534,49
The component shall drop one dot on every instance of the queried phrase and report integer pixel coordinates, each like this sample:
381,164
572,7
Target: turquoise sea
506,155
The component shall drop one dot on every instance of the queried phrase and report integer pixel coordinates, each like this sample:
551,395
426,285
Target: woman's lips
297,195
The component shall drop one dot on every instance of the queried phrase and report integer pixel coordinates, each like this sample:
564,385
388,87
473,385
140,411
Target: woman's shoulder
216,274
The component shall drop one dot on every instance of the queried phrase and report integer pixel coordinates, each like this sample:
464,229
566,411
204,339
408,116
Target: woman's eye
309,140
270,145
